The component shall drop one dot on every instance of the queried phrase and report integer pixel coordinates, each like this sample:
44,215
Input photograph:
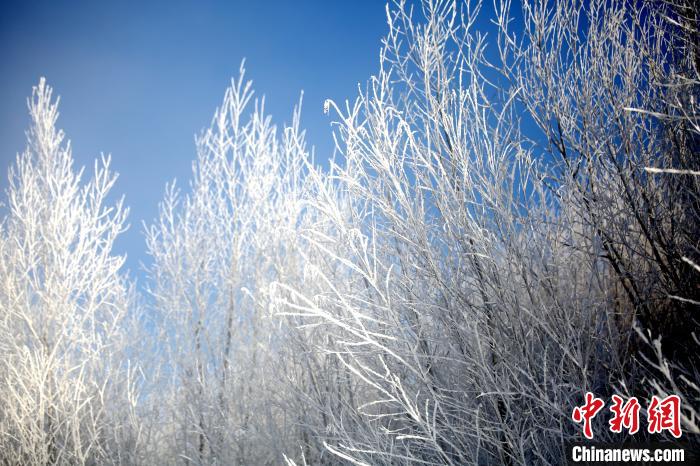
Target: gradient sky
139,79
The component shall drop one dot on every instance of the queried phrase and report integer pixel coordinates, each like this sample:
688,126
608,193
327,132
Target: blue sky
139,79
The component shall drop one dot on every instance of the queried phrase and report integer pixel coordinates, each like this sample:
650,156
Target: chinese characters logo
662,414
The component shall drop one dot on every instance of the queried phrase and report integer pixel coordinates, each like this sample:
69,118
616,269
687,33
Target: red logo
662,414
587,412
626,415
665,415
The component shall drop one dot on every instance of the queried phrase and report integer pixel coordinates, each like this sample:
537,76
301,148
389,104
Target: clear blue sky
139,79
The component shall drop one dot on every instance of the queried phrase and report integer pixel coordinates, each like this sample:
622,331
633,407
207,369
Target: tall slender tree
62,302
234,368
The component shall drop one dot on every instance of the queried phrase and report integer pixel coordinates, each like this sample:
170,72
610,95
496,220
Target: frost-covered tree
613,89
238,377
66,397
513,221
503,236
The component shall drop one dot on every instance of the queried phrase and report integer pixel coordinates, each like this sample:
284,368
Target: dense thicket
512,221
